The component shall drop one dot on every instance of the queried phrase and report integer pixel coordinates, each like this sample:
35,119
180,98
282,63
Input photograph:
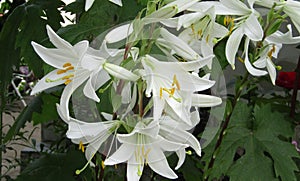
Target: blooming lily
170,81
75,65
143,146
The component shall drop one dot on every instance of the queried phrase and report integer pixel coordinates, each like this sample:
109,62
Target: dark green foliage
56,166
253,147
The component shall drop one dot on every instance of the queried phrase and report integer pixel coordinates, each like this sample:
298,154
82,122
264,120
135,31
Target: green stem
227,120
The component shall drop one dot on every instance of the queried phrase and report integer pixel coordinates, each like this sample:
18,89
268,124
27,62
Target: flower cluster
169,83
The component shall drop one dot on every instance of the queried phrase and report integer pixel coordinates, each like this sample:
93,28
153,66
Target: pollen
270,53
67,65
68,81
61,71
81,146
175,82
102,164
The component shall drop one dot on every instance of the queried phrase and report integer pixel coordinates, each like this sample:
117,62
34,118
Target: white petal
81,48
272,70
117,2
69,89
43,84
249,67
132,170
236,6
158,163
121,155
120,72
88,4
178,45
181,136
119,33
202,100
232,45
253,29
181,158
158,105
93,147
89,91
55,57
57,41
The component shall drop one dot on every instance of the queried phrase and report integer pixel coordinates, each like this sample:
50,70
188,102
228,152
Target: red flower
286,80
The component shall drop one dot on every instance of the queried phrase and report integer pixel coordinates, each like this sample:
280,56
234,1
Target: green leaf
9,54
100,17
26,114
251,148
49,112
56,166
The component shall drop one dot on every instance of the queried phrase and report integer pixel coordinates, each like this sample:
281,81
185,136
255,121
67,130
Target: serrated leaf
265,157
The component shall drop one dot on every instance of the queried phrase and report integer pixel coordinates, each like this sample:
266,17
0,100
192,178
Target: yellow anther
68,81
270,53
200,33
172,91
81,146
67,65
70,68
116,166
160,92
102,164
67,77
207,38
61,71
240,59
193,28
175,82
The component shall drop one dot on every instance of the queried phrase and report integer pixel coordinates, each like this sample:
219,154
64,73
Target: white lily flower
170,81
89,3
143,146
78,64
201,31
274,43
171,130
176,45
246,24
290,7
91,134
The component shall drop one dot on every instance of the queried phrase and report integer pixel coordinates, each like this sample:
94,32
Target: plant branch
227,120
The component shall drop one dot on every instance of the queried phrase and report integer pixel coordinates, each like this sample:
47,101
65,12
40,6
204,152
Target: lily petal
120,72
160,165
232,45
202,100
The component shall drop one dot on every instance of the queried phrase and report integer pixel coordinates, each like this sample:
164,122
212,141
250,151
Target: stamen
61,71
240,59
189,152
270,53
175,82
207,38
102,164
68,81
160,92
89,161
67,77
70,68
81,146
67,65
